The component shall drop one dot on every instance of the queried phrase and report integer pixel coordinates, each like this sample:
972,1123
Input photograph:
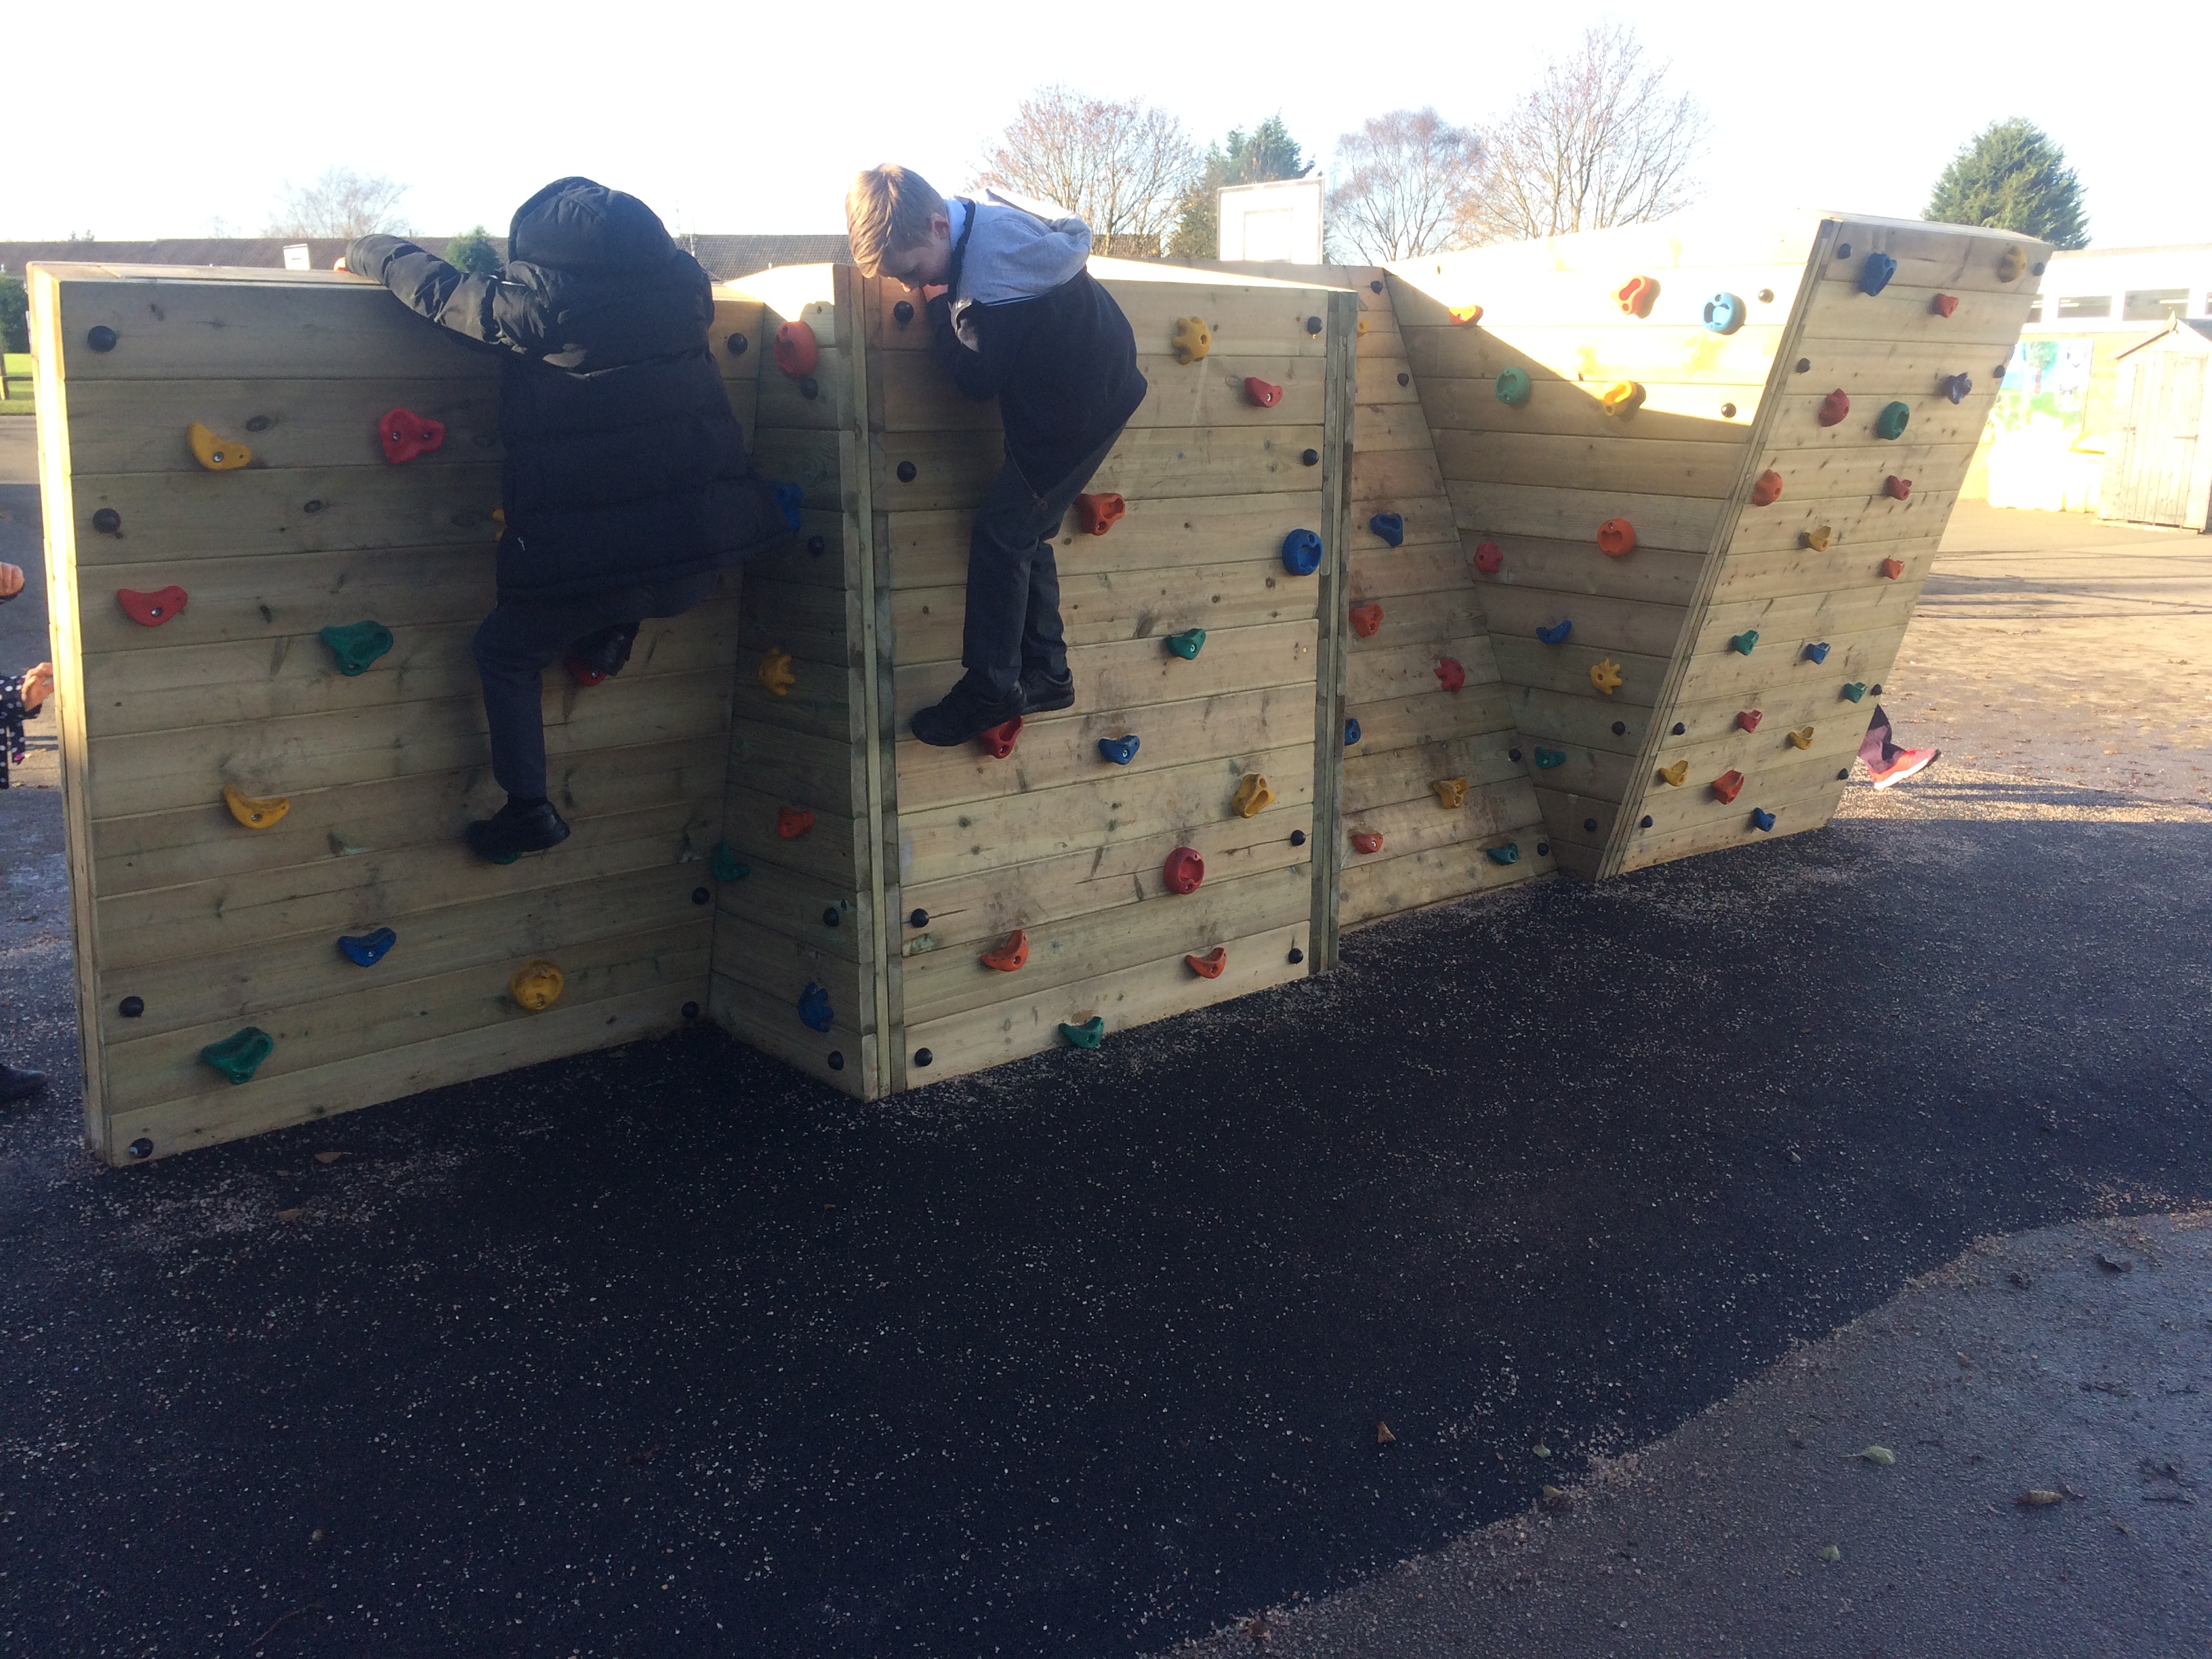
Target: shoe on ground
1042,692
515,830
604,651
969,710
19,1082
1908,763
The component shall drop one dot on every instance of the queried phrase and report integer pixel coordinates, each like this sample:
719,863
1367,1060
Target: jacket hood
1018,249
575,224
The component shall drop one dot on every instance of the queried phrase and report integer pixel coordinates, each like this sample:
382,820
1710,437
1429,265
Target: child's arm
470,305
980,369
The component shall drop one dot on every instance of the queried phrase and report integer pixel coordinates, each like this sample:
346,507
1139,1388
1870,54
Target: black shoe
968,711
605,651
515,830
20,1083
1043,692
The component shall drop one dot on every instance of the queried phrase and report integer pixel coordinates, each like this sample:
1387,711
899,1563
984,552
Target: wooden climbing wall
192,926
1534,477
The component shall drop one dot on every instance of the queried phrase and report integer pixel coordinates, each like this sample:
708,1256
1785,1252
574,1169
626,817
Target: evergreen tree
15,329
473,253
2011,176
1264,155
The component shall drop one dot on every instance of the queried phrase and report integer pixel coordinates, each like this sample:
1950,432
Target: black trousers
1012,621
519,639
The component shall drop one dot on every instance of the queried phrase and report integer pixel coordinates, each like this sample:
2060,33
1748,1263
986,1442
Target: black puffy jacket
624,463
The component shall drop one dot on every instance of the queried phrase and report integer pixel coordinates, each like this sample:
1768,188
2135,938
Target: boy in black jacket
1016,317
625,485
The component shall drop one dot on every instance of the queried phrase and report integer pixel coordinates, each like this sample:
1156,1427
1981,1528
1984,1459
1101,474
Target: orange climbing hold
793,821
1464,315
406,434
1616,538
1012,956
1452,792
1365,619
796,350
1727,786
1099,513
1210,965
1893,568
1767,488
1366,841
151,609
1635,295
1944,304
775,672
999,739
1266,396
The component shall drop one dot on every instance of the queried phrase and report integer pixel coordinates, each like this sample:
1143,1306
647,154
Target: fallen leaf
289,1215
328,1158
1543,1452
1383,1435
2037,1500
1880,1455
1831,1553
2115,1265
1555,1498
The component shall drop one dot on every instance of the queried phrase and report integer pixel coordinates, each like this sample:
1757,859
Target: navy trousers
1012,621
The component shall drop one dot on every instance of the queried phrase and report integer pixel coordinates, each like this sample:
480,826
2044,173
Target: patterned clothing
11,724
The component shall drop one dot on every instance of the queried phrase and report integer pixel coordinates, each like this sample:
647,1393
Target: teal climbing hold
238,1055
1514,386
1188,643
1724,314
1764,820
356,645
1855,689
1391,527
1557,632
1745,641
1089,1035
727,866
1891,421
1548,758
1120,750
1508,854
1818,653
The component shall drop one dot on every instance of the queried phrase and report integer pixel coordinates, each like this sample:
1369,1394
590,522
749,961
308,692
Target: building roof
724,256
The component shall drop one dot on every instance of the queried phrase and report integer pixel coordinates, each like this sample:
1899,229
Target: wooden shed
2158,461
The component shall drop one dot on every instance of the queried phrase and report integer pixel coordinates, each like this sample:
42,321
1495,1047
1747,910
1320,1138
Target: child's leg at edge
1876,749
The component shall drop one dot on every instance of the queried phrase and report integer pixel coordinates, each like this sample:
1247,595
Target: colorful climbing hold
1801,738
1508,854
1744,641
1461,315
726,865
216,454
1767,488
151,609
1391,527
790,498
254,813
1891,569
2012,263
1748,719
1488,557
1834,407
1009,957
1210,965
1450,674
998,741
1099,513
1452,792
1944,304
238,1055
1817,651
1366,841
1188,643
775,673
1262,392
1874,272
1727,786
1548,758
793,821
1635,296
582,672
1120,750
1252,796
1183,870
367,949
1892,420
1616,538
406,434
1089,1035
1724,314
1958,387
1623,397
1605,676
1514,386
1193,339
1854,690
796,350
1557,632
814,1012
1677,774
1365,619
536,985
1762,820
356,645
1302,552
1351,733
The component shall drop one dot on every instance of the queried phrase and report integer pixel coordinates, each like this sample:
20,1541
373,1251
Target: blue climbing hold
1958,387
790,497
1874,274
1391,527
1120,750
1764,820
1557,632
1302,552
1818,653
1351,733
814,1010
367,949
1724,314
1548,758
1508,854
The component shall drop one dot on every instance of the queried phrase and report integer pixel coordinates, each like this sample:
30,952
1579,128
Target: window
2154,305
2085,305
2035,309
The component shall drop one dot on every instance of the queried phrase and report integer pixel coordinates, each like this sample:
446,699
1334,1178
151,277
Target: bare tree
341,202
1405,181
1601,141
1123,168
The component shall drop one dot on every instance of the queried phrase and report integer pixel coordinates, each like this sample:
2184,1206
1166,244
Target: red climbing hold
1896,487
1488,557
1616,538
793,821
1727,786
1767,488
1834,407
1009,957
1365,619
1210,965
1366,841
1944,304
1183,871
999,739
796,351
1748,719
151,609
1261,393
1450,674
404,436
581,672
1893,568
1635,295
1099,513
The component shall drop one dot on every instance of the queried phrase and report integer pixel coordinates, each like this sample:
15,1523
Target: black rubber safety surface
667,1351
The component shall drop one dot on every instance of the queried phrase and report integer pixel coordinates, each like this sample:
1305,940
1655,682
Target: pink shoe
1909,761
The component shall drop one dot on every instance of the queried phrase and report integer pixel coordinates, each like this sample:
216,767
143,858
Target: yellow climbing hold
1677,774
1465,314
1624,398
1818,540
1801,738
537,986
1252,794
216,454
1193,339
1363,324
776,672
1605,676
2012,263
1452,792
252,813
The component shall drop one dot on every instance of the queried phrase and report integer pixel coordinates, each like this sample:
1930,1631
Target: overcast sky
133,119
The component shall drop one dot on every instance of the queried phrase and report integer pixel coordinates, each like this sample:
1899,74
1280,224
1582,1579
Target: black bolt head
131,1008
922,1056
1680,728
690,1011
906,471
836,1061
1876,689
829,917
1513,754
314,507
2037,267
101,337
816,546
1804,365
1375,286
902,312
1843,251
1297,955
1728,411
142,1147
1590,825
700,895
1843,776
1766,296
1543,849
1620,728
736,345
108,521
1644,823
1298,837
917,918
1405,380
809,386
1313,326
259,423
1310,457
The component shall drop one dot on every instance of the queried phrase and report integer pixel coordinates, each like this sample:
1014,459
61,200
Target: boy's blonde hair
888,211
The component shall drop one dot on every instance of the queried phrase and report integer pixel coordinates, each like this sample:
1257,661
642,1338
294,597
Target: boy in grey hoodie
1016,316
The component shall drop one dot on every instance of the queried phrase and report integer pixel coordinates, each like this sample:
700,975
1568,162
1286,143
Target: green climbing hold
1891,422
238,1055
356,645
1514,385
1745,641
1855,689
1188,643
1548,758
727,867
1089,1035
1508,854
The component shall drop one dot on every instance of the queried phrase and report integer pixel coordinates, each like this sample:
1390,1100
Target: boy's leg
1876,749
1046,683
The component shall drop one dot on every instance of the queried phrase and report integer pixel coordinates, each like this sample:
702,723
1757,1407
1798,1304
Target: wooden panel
1379,887
929,549
953,468
919,396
